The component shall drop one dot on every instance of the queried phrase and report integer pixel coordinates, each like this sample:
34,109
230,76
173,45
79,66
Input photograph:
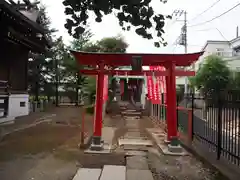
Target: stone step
131,113
110,172
135,142
135,148
135,153
87,174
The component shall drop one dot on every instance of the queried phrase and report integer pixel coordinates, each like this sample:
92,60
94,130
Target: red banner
156,85
150,87
105,89
122,83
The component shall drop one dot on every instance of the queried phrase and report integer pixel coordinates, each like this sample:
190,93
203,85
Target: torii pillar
172,126
98,118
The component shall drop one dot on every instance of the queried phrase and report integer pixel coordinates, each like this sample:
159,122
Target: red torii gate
100,60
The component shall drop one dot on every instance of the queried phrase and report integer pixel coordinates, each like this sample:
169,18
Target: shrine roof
124,59
19,16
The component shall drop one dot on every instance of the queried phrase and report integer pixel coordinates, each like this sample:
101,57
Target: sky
223,28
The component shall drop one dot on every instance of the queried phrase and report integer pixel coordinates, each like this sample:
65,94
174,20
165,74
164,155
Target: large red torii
100,60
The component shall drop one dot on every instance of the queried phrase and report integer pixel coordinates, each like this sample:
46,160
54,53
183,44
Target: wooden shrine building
19,34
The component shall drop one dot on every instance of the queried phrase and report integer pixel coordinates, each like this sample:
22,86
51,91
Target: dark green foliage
137,13
213,76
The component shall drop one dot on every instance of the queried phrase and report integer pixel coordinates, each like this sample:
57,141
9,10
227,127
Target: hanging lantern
117,78
127,77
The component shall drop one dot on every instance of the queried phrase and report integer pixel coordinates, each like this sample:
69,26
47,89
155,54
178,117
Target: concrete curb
162,146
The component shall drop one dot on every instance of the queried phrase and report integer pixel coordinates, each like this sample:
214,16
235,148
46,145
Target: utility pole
184,35
182,40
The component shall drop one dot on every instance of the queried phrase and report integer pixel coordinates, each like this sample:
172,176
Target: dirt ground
49,151
39,152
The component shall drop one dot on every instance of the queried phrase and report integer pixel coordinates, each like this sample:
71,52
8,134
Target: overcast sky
197,35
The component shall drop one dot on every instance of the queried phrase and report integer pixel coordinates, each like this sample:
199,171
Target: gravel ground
179,168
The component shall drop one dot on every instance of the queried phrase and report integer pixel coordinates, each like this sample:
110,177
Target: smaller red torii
100,60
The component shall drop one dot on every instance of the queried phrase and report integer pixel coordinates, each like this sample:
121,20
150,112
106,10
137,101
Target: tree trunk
77,89
57,83
37,84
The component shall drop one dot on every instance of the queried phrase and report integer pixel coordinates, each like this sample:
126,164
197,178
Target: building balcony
226,54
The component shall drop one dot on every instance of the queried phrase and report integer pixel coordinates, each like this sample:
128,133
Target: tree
213,76
75,81
110,44
137,13
39,65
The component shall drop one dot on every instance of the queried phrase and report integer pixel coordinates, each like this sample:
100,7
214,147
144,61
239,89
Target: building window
220,50
22,104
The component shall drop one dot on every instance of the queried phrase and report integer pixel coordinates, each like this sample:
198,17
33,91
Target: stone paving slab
137,162
87,174
136,174
110,172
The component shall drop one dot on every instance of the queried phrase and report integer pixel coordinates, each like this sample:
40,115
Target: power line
216,16
210,7
202,30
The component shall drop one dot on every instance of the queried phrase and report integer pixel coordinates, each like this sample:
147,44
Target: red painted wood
99,105
124,59
167,104
171,103
135,73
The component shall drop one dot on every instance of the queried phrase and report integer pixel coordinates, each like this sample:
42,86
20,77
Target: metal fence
216,124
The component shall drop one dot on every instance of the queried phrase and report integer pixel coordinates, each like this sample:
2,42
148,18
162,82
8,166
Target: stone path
134,144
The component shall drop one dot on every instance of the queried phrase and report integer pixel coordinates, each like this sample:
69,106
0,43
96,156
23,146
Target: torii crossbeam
100,60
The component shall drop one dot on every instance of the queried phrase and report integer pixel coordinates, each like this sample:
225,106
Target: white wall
14,108
180,80
211,48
